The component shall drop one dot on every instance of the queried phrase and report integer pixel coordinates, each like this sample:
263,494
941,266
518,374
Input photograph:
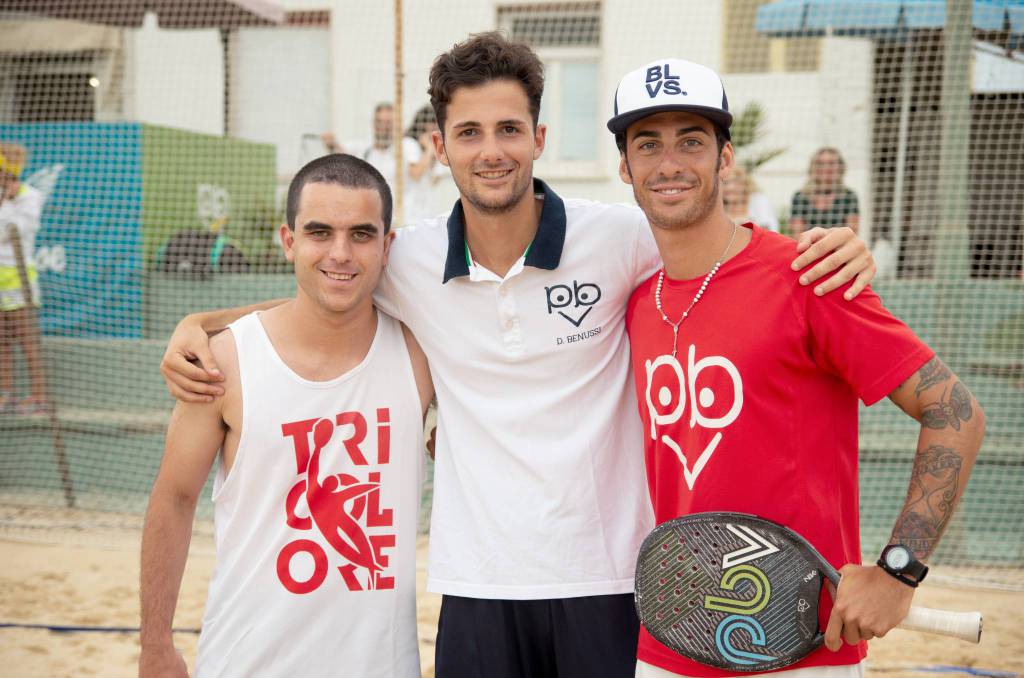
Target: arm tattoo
949,413
933,372
934,484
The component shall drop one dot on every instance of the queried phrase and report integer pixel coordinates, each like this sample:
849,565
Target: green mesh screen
163,134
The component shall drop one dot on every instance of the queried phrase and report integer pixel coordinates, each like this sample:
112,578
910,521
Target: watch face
897,558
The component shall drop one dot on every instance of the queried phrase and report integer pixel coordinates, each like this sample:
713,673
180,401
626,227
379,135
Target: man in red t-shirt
748,383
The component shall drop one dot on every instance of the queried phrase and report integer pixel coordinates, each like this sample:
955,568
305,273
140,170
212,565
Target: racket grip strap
962,625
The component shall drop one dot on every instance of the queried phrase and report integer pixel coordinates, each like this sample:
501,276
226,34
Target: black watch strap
912,574
899,576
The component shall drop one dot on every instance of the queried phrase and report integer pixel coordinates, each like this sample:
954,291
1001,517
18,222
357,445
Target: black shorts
589,637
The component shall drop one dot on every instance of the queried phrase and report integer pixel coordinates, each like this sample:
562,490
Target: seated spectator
824,200
743,202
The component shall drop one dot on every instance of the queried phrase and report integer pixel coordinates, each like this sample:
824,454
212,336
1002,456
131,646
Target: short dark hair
483,58
343,170
720,138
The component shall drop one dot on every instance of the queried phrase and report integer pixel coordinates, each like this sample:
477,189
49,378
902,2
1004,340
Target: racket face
731,590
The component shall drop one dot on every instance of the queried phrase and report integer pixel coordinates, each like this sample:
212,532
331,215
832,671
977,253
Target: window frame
550,164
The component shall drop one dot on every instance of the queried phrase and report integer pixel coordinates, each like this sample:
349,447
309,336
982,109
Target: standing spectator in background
424,174
743,202
381,155
824,200
22,206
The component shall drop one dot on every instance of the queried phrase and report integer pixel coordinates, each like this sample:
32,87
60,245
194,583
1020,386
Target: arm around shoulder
840,250
188,367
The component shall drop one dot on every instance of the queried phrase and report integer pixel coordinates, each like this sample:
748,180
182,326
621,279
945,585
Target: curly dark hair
482,58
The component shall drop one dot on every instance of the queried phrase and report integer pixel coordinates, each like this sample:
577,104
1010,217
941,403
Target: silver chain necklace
696,297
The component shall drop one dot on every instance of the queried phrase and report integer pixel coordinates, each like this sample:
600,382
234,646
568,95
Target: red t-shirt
761,402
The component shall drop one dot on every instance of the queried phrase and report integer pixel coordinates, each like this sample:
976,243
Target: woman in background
744,203
824,200
425,173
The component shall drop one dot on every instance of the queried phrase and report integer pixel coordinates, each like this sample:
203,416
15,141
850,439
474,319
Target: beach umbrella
885,18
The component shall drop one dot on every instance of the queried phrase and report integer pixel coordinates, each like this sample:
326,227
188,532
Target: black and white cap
670,85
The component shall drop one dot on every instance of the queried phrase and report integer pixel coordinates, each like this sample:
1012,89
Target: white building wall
363,47
805,110
288,82
280,91
363,64
175,78
633,34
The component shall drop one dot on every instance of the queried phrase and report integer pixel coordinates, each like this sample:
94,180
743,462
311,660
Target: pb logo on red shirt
715,400
345,509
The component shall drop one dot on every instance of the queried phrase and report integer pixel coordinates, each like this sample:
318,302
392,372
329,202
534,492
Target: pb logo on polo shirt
659,78
568,301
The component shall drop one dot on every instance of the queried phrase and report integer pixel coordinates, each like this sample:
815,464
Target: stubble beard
671,220
499,206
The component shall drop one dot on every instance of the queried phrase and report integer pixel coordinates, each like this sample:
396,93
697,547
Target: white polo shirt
539,484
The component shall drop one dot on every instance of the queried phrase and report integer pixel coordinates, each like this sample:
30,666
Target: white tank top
315,524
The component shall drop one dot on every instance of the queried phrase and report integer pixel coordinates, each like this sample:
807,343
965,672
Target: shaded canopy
171,13
994,19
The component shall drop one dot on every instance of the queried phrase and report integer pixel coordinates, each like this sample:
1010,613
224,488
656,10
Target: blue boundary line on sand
86,629
969,670
945,668
941,668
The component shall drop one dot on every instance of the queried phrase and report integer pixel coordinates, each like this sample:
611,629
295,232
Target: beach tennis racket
741,593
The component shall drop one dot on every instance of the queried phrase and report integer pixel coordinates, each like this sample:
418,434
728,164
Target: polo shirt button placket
511,336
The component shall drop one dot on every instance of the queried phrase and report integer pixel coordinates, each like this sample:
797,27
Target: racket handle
962,625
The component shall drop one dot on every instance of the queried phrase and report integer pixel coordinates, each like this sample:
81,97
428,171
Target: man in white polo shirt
518,299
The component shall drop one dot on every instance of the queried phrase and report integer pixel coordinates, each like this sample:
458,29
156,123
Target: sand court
91,579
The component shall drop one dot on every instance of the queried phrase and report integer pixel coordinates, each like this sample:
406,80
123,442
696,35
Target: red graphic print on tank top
344,507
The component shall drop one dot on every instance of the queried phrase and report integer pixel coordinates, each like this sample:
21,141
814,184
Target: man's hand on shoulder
838,249
186,380
868,604
162,662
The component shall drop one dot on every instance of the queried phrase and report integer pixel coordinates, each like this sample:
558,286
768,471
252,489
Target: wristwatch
899,562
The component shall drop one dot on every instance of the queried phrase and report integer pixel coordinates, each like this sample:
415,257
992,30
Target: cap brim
620,123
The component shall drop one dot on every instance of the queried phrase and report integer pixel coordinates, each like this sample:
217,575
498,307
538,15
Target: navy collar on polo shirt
544,252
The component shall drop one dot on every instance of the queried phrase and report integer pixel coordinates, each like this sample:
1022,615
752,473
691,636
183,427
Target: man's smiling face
490,144
673,162
339,246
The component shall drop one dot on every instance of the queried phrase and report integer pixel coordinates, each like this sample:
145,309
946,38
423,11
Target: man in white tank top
320,434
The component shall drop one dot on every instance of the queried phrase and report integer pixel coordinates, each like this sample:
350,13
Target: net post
397,132
952,263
